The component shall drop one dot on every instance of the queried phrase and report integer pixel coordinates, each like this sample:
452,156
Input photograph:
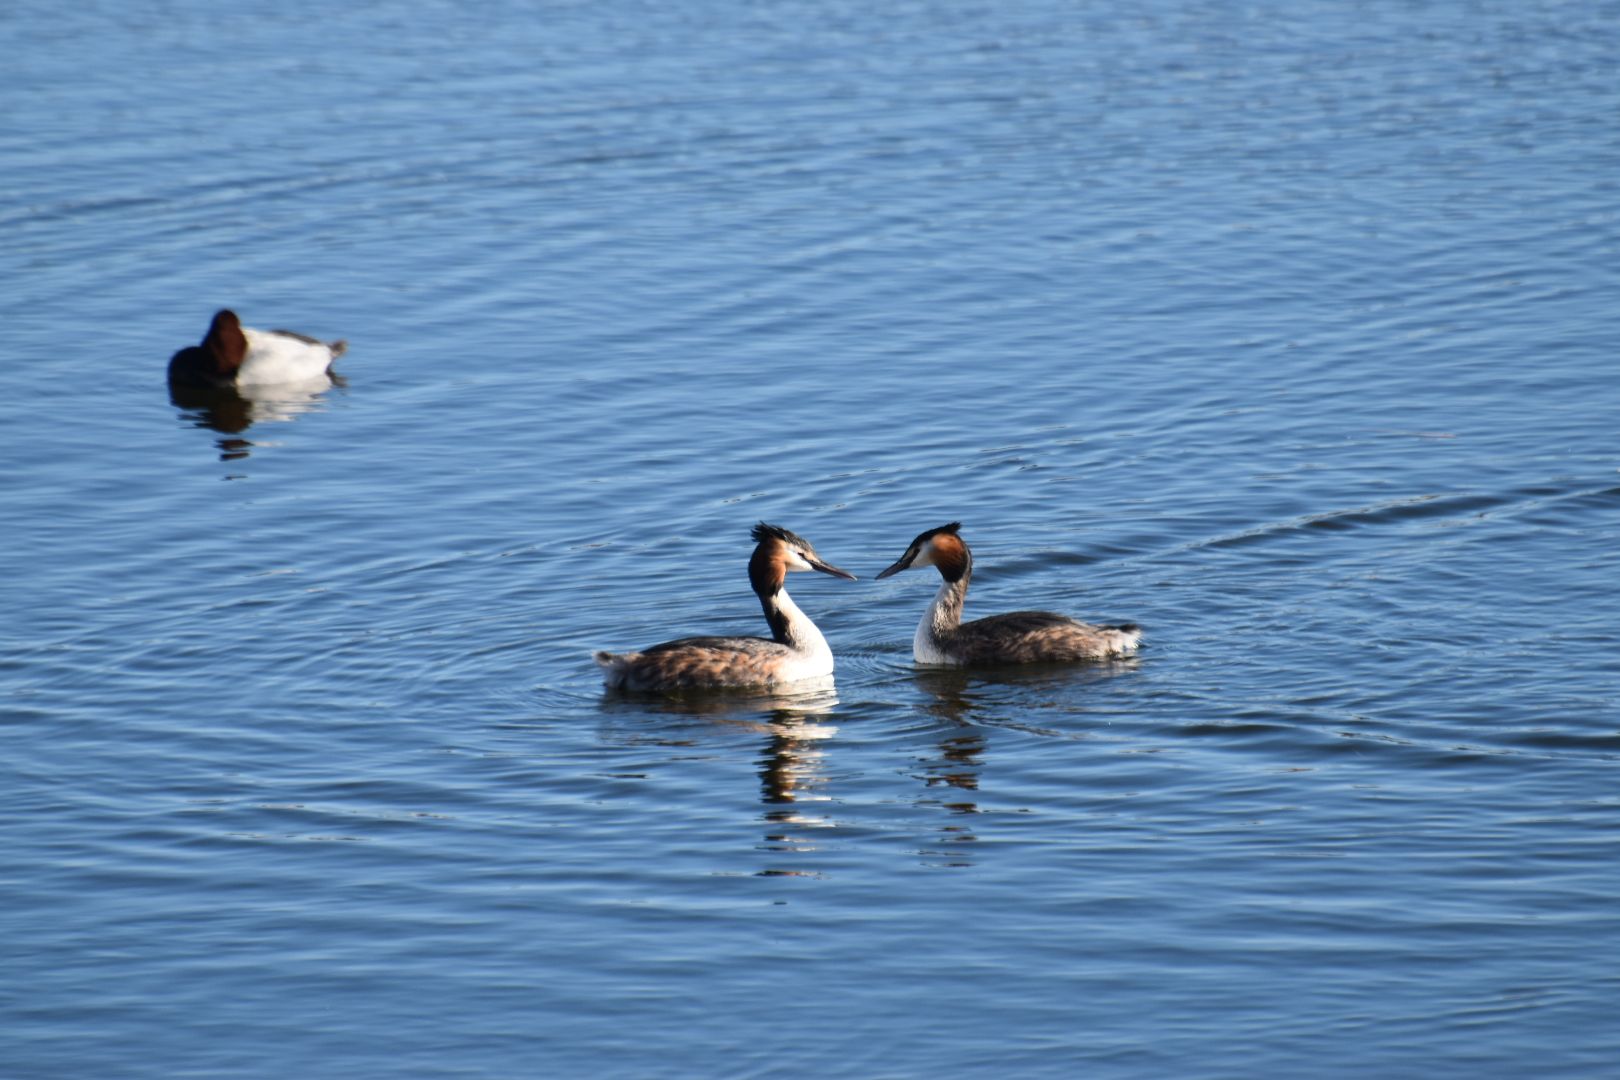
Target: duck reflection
231,410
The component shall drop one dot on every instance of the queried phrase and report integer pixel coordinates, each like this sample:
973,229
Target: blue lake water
1288,331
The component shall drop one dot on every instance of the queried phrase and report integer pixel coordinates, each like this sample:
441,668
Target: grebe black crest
795,650
1019,637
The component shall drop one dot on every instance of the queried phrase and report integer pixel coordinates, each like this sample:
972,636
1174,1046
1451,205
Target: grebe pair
797,650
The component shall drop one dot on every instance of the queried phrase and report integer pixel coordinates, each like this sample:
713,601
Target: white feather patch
274,358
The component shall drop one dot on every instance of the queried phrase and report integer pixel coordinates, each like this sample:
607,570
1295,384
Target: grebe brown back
1019,637
795,650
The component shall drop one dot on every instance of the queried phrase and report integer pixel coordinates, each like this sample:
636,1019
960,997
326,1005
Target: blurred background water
1288,331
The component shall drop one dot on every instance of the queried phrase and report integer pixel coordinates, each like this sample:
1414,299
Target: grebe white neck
940,618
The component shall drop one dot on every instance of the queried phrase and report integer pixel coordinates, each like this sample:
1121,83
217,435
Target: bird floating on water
796,649
1019,637
233,355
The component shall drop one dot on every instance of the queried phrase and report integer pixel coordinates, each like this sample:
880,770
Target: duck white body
235,355
278,357
795,651
1019,637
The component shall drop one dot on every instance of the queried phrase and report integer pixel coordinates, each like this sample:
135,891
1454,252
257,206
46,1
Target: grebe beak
828,568
904,563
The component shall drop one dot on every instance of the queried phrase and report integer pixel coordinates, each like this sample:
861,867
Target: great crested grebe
794,651
1019,637
235,355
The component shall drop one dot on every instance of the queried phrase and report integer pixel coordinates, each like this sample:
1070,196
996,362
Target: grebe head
939,547
780,551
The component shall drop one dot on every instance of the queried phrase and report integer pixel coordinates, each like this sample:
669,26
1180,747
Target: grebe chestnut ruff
1020,637
234,355
794,651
